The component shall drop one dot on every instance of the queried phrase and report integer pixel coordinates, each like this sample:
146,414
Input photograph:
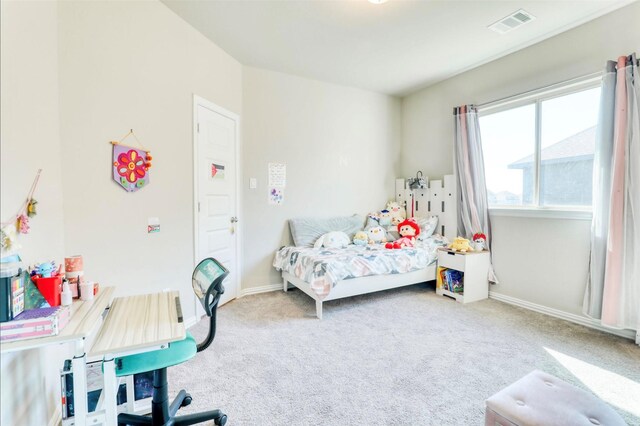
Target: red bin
50,288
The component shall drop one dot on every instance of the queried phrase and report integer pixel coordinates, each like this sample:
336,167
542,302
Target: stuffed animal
334,239
479,241
395,220
385,218
461,244
375,216
408,230
396,211
377,234
45,270
361,238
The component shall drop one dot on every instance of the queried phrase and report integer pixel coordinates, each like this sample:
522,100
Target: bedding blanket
323,267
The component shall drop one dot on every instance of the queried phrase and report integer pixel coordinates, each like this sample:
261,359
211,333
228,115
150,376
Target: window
538,148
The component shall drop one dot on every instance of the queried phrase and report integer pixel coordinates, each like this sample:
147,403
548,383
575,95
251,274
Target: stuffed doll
408,230
335,239
479,241
377,234
361,238
396,211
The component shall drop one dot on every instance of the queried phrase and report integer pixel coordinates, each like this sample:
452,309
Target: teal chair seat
177,353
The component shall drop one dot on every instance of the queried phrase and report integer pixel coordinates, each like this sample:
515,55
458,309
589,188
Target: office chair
207,285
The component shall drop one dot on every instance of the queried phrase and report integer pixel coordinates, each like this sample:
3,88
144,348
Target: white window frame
536,97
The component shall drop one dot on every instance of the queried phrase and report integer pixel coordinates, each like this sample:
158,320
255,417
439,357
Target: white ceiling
394,48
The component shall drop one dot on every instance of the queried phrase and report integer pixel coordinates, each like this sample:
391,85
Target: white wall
30,140
341,148
134,65
543,261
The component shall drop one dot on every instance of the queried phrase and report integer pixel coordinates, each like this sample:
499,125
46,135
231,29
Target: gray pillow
427,226
305,231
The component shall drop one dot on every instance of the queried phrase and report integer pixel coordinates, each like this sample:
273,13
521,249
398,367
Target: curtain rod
543,88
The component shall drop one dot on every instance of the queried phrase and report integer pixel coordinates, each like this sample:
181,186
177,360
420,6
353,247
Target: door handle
234,219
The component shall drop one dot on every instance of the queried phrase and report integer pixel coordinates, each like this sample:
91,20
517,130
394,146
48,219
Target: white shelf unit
475,266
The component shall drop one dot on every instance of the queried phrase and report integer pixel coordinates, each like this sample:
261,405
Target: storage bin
50,288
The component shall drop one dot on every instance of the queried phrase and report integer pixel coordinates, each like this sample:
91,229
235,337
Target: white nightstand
475,266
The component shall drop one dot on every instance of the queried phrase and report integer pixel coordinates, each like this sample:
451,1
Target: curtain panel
613,288
473,205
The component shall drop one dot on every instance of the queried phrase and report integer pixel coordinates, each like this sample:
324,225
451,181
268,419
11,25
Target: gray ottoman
542,399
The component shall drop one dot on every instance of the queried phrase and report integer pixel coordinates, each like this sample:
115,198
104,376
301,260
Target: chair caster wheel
221,421
186,401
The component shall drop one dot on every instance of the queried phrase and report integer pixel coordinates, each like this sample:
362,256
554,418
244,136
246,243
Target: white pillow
427,226
334,239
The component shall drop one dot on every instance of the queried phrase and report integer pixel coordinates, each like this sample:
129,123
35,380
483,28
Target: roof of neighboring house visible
574,148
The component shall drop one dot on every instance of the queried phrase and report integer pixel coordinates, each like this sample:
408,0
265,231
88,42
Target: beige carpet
399,357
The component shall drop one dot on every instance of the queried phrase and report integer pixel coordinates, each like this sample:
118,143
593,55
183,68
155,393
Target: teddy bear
408,230
461,244
396,211
377,234
361,238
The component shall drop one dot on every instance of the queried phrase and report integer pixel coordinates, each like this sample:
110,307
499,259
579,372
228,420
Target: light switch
253,183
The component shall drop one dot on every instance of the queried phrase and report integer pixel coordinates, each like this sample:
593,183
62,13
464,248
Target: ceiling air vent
511,22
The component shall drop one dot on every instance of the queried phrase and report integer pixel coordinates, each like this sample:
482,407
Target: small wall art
276,196
131,165
217,171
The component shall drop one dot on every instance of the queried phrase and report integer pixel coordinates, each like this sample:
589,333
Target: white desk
135,324
84,320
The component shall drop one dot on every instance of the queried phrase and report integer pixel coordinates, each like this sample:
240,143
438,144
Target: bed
329,274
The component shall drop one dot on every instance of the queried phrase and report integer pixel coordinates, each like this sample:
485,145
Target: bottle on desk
67,297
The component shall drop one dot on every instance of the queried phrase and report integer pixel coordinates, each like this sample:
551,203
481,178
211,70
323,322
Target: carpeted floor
399,357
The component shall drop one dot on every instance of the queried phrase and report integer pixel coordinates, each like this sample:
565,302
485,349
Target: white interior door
216,165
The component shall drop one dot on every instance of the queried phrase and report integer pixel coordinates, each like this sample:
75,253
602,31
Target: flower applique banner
130,167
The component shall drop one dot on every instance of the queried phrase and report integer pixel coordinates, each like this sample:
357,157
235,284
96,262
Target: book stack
452,280
41,322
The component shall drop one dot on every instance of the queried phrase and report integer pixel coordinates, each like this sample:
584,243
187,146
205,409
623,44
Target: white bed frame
438,199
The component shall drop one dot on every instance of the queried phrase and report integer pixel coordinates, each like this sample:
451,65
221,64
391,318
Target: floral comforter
323,267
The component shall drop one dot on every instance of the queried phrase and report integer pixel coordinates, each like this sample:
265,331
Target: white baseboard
260,289
578,319
56,419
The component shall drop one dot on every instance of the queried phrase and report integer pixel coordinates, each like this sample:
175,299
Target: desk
135,324
84,320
